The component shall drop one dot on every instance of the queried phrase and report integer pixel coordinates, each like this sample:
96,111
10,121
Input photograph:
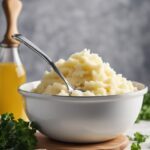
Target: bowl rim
24,92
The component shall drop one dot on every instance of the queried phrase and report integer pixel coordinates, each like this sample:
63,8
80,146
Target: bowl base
119,142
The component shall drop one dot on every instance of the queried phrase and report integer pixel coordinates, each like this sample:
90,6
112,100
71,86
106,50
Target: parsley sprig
137,140
144,115
16,134
145,111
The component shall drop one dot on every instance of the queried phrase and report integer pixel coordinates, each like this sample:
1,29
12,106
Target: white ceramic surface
83,119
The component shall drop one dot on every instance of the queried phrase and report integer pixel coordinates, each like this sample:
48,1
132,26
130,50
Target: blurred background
118,30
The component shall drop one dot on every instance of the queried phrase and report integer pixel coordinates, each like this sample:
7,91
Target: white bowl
83,119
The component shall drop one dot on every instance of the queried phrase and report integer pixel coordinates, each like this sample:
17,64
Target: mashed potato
87,71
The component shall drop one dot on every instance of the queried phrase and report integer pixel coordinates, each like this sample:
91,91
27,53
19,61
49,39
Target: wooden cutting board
118,143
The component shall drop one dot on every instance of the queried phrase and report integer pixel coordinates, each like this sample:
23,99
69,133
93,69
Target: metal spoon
33,47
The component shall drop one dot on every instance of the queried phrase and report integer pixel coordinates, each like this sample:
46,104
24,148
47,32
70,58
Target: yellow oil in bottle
11,77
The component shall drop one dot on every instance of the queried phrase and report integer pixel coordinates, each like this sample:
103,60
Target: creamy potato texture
87,71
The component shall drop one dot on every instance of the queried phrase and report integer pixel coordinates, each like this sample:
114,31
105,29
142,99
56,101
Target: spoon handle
36,49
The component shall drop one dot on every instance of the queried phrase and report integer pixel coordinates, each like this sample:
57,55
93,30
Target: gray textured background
119,30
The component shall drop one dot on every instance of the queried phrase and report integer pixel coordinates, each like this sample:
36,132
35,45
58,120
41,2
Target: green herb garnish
16,134
145,111
135,146
137,140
